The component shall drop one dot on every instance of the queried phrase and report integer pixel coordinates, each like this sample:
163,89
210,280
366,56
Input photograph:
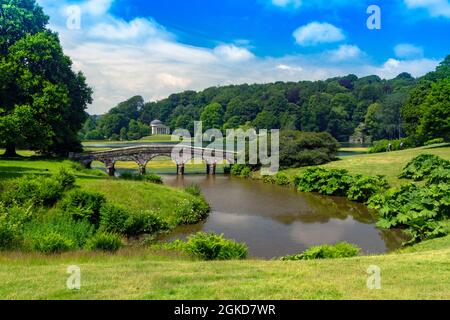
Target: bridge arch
142,155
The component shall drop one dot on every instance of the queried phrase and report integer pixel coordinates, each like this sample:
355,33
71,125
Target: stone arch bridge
142,155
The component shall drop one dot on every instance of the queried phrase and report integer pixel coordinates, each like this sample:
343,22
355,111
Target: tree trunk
10,150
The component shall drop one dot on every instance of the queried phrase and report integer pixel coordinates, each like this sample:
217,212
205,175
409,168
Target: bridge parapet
144,154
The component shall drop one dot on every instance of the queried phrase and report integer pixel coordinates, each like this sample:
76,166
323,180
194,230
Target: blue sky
155,48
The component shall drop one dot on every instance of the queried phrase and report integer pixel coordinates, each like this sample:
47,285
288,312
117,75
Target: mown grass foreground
145,274
419,272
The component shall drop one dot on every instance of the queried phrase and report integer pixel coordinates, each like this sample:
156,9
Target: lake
275,221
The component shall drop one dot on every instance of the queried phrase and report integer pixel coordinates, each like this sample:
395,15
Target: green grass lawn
389,164
146,274
418,272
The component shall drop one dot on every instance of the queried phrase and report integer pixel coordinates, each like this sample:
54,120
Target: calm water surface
276,221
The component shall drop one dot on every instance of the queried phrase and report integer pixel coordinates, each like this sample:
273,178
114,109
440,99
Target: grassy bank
135,195
389,164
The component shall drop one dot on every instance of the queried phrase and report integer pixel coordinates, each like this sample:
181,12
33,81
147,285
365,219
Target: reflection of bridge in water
142,155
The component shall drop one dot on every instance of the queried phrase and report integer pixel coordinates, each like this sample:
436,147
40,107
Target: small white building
159,128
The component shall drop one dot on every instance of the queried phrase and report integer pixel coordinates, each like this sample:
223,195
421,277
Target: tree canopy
42,100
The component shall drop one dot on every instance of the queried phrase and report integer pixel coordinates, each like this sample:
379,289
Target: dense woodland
382,109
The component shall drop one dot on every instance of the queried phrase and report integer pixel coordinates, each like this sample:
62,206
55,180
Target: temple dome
156,123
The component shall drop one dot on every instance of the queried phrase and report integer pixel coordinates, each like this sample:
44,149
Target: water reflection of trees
393,238
321,209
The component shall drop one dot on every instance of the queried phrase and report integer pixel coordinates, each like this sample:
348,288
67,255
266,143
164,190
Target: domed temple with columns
159,128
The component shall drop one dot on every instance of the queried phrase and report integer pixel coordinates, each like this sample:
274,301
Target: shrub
12,221
421,210
145,222
241,170
82,205
246,172
422,166
38,191
194,190
326,181
52,243
77,232
383,145
149,177
153,178
77,167
192,211
117,219
282,179
210,246
364,187
104,241
438,176
299,149
434,141
114,218
339,250
65,178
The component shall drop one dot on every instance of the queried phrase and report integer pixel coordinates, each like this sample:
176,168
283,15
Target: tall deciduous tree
42,100
435,122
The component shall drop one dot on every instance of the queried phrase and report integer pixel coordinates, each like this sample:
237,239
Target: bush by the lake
104,241
282,179
362,187
421,210
76,232
339,250
422,166
395,145
36,191
210,246
52,243
148,177
434,141
145,222
299,149
438,176
332,182
82,205
192,211
194,189
65,178
120,220
12,221
241,170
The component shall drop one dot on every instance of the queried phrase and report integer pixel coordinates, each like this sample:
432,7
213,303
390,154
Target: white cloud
233,53
436,8
345,52
290,69
287,3
173,81
122,59
316,32
392,67
408,51
96,7
121,30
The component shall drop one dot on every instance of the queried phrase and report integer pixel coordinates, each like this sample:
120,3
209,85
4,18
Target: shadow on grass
16,172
